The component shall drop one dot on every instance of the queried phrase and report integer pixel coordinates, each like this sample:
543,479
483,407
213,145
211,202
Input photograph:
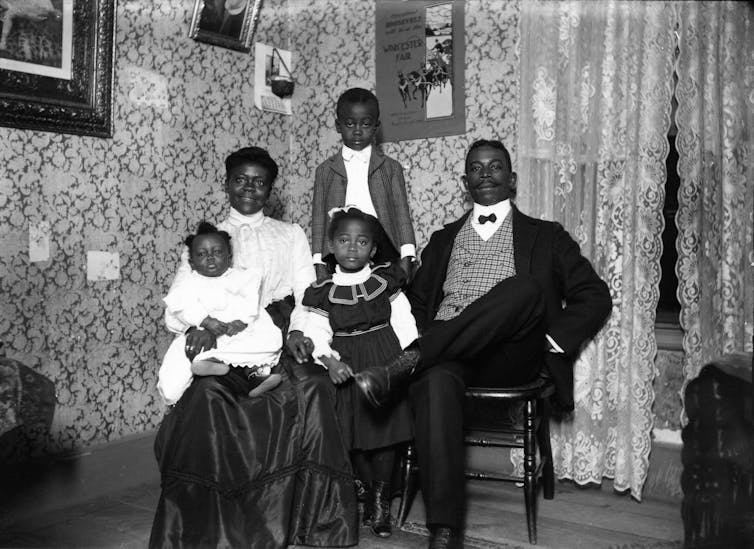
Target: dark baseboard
51,483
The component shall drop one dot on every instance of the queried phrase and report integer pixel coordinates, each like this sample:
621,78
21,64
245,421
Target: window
667,326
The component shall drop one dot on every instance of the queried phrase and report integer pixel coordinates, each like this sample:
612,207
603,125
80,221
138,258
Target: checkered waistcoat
475,266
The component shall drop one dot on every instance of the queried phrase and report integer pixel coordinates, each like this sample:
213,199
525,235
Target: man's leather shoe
443,537
378,383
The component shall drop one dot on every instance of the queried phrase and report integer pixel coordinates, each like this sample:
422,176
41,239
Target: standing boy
364,177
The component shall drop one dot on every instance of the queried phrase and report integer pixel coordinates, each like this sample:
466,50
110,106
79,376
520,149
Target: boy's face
489,178
209,255
248,186
352,245
357,125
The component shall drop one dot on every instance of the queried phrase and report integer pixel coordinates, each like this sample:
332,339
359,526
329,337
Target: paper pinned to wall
102,266
265,65
146,87
39,242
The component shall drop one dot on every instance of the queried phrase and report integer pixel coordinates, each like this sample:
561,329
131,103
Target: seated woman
260,472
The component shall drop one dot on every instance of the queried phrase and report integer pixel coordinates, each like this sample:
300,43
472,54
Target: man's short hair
492,143
251,155
355,96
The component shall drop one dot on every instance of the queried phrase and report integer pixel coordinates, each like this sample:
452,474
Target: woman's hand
299,345
215,326
198,340
339,372
235,327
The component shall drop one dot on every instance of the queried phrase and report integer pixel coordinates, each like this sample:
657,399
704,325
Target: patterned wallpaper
334,44
180,107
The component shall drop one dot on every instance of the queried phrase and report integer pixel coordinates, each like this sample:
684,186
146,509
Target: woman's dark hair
252,155
354,213
355,96
207,228
492,143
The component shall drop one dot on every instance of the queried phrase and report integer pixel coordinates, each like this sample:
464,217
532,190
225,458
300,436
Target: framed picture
227,23
56,65
420,68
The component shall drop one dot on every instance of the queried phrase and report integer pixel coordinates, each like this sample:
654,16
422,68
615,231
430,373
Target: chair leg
530,484
545,451
409,485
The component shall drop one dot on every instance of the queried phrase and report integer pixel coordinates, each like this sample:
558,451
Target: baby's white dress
234,295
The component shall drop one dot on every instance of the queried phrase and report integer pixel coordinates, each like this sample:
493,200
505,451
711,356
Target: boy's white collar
364,154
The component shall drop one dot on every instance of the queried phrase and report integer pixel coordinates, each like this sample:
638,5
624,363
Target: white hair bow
345,208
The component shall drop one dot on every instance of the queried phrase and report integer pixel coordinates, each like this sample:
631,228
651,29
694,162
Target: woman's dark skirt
261,473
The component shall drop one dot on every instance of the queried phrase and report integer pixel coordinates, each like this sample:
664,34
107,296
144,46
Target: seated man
497,295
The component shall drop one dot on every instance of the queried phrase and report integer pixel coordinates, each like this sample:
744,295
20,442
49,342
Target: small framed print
226,23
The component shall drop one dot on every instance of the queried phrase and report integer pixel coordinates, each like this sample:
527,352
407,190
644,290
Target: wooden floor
576,518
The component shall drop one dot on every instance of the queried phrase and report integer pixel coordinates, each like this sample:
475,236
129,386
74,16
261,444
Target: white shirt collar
362,155
501,211
349,279
237,219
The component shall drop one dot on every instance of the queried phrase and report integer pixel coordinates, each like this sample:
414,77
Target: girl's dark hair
207,228
385,250
354,213
252,155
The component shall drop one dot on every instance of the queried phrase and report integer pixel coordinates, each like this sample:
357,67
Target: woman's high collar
237,219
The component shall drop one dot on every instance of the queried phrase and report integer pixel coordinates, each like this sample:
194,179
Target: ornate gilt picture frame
56,65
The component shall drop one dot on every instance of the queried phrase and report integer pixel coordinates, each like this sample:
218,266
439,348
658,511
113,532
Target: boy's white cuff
408,250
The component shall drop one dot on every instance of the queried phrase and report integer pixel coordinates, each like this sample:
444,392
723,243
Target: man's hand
339,372
409,267
198,340
215,326
299,345
321,271
235,327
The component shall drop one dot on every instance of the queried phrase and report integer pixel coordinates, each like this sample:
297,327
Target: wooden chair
490,431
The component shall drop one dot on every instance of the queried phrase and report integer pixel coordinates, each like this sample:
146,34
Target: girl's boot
381,525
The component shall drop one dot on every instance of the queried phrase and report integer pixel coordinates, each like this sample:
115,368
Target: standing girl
362,318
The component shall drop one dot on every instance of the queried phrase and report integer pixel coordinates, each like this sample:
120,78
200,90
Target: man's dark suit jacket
577,300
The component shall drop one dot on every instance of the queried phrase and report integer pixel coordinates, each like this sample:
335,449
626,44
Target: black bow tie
485,218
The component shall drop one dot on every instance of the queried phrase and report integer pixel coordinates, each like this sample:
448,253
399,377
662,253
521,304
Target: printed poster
420,68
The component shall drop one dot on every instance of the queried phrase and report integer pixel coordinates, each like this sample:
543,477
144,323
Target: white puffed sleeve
319,330
183,308
175,324
303,276
402,321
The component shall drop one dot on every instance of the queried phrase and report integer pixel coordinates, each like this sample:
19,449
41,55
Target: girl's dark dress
258,473
360,318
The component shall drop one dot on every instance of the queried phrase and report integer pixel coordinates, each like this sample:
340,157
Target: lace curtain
715,218
596,87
